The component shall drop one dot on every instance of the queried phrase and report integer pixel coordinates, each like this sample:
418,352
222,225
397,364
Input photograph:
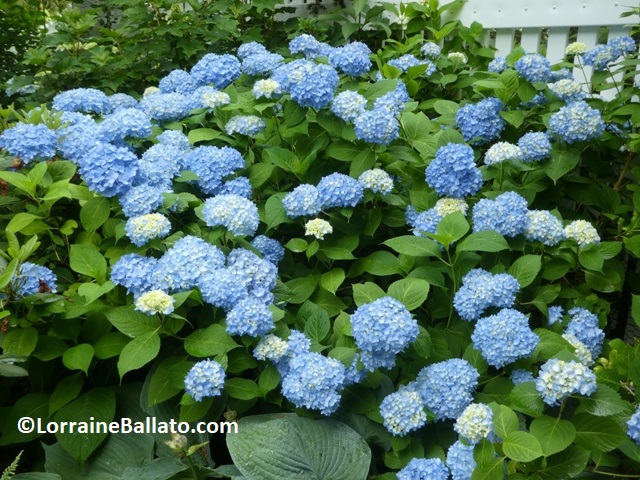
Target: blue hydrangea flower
250,317
460,461
533,67
622,46
504,337
430,49
558,379
481,289
307,44
251,48
271,348
447,387
577,122
32,278
426,222
219,70
87,100
209,97
534,146
258,275
121,100
266,88
239,215
188,260
543,227
501,152
314,381
383,326
339,190
395,101
134,272
249,125
379,126
222,288
270,248
352,59
520,375
405,62
205,379
507,214
107,169
238,186
29,142
348,105
159,164
174,138
143,228
481,123
261,63
498,64
584,326
580,349
376,180
568,90
599,57
141,200
562,74
424,469
125,122
475,423
633,426
403,411
555,314
177,81
212,165
453,172
167,106
302,201
310,84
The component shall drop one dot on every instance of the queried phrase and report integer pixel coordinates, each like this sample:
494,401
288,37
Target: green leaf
208,342
332,279
444,107
514,117
315,321
297,245
242,389
598,434
66,390
78,357
19,181
414,246
525,269
20,221
300,289
567,464
522,446
274,447
202,135
33,405
91,291
609,280
604,402
269,379
275,212
484,241
367,293
554,434
138,352
337,253
412,292
20,341
94,213
524,398
167,380
88,261
492,470
561,163
131,322
110,345
97,405
452,228
505,420
635,308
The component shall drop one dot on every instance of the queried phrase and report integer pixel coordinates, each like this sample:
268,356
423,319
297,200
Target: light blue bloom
270,248
534,67
212,165
29,142
302,201
307,44
543,227
88,100
481,123
249,125
261,63
520,375
577,122
251,48
453,172
222,288
481,289
250,317
177,81
534,146
143,228
585,327
460,461
403,411
348,105
167,106
339,190
237,214
633,426
159,165
352,59
141,200
205,379
174,138
424,469
558,379
555,314
622,46
31,278
219,70
498,64
568,90
107,169
599,57
507,214
125,122
258,275
379,126
430,49
134,272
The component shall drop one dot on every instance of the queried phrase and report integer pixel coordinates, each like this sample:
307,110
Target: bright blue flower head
107,169
134,272
238,186
379,126
520,375
29,142
543,227
302,201
447,387
481,289
167,106
481,123
310,84
599,57
222,288
141,200
339,190
31,278
348,105
261,63
250,317
568,90
633,427
270,248
381,327
405,62
558,379
306,44
534,67
258,275
498,64
431,50
219,70
87,100
314,381
460,461
205,379
394,101
212,165
352,59
125,122
237,214
403,411
251,48
507,214
174,138
584,326
534,146
453,172
426,222
555,314
159,165
577,122
249,125
622,46
177,81
424,469
504,337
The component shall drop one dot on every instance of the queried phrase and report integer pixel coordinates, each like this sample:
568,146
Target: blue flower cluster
481,289
134,272
205,379
249,125
568,90
501,152
237,214
240,186
543,227
633,426
577,122
453,172
143,228
269,248
87,100
166,107
460,461
498,64
31,278
475,423
481,123
339,190
403,411
382,329
125,122
600,56
308,45
555,313
348,105
376,180
212,165
302,201
177,81
507,214
534,146
534,67
29,142
405,62
309,84
219,70
424,469
558,379
352,59
520,375
378,126
159,164
250,317
584,326
430,49
504,337
261,63
107,169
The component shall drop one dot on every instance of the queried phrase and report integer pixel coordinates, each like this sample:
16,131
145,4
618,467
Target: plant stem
617,475
623,172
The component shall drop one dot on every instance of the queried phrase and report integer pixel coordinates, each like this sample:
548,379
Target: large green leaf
167,380
88,261
412,292
598,434
485,241
138,352
525,269
21,341
94,213
554,434
505,420
604,402
131,322
275,447
522,446
415,246
78,357
210,341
